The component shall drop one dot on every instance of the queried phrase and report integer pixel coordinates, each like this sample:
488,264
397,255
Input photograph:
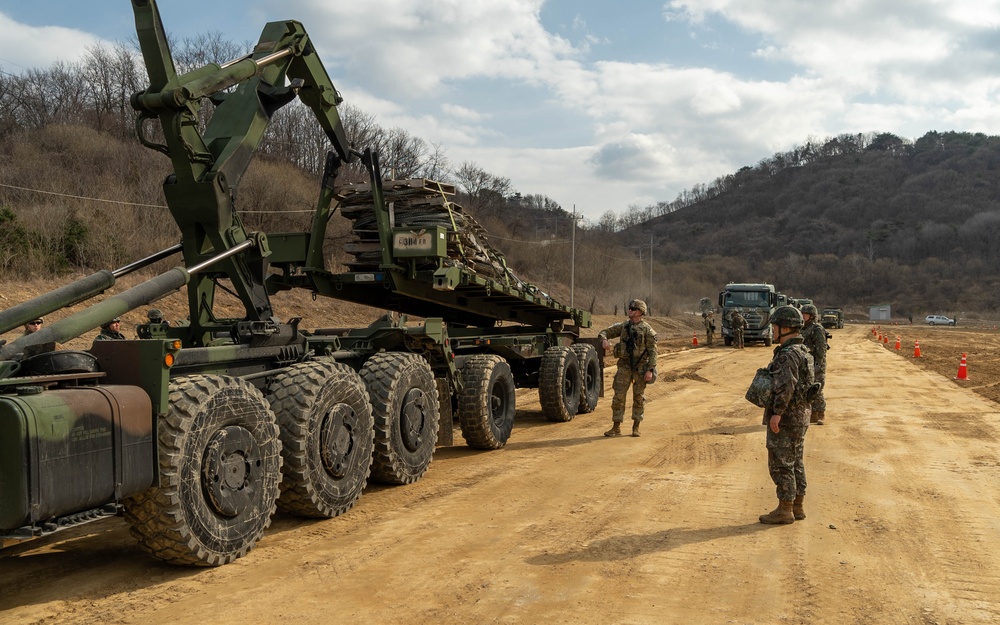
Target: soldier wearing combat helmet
787,415
815,341
708,319
636,353
155,315
33,326
111,331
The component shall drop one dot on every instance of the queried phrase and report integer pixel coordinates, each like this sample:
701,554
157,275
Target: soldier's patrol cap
107,324
638,304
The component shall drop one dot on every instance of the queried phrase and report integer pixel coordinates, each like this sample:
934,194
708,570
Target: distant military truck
755,302
832,318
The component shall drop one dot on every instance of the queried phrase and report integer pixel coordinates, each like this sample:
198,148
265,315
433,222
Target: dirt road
566,526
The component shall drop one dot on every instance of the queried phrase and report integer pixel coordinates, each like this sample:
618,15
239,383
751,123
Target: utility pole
572,261
650,266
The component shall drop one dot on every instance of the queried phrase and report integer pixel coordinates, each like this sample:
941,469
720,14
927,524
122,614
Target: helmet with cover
638,304
107,324
787,317
810,309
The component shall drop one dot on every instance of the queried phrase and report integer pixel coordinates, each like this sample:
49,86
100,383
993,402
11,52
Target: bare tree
486,192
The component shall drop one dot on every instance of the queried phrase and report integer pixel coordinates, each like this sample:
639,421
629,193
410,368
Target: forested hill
857,220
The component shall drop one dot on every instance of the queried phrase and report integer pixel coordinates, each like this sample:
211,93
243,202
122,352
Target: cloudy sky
603,104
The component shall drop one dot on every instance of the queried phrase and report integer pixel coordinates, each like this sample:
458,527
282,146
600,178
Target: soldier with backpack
739,324
787,415
814,336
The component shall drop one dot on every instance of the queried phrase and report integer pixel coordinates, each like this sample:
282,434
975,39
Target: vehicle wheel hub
413,417
336,440
231,466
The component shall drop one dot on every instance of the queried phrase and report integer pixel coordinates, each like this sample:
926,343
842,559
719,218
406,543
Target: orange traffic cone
916,349
963,371
897,343
885,339
694,339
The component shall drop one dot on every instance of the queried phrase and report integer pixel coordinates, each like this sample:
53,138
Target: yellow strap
451,216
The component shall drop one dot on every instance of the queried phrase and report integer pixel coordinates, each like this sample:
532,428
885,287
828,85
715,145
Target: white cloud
461,112
417,48
27,47
488,82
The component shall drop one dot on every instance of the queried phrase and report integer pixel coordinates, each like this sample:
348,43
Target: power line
80,197
97,199
547,241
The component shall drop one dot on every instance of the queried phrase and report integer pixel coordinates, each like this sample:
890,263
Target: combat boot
635,429
616,429
782,515
797,510
817,417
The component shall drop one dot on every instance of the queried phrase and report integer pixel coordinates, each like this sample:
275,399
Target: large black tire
405,406
592,377
559,384
220,467
327,437
486,405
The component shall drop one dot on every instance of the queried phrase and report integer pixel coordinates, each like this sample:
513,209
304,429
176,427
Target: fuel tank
68,450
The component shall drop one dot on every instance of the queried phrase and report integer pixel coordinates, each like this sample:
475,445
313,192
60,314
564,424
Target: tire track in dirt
565,525
904,473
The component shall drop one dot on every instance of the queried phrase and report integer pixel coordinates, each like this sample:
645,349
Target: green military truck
832,318
198,432
754,301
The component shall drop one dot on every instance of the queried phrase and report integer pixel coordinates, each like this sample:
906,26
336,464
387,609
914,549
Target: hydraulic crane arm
209,164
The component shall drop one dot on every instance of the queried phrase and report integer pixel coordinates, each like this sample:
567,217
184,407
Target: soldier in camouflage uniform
738,324
636,353
33,326
787,417
814,336
155,315
708,318
111,331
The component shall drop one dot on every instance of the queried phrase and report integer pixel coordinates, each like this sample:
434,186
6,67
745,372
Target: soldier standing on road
815,341
787,417
709,320
111,331
636,353
739,324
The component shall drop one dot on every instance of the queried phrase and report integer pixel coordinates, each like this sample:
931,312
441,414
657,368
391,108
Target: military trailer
755,302
832,318
197,433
